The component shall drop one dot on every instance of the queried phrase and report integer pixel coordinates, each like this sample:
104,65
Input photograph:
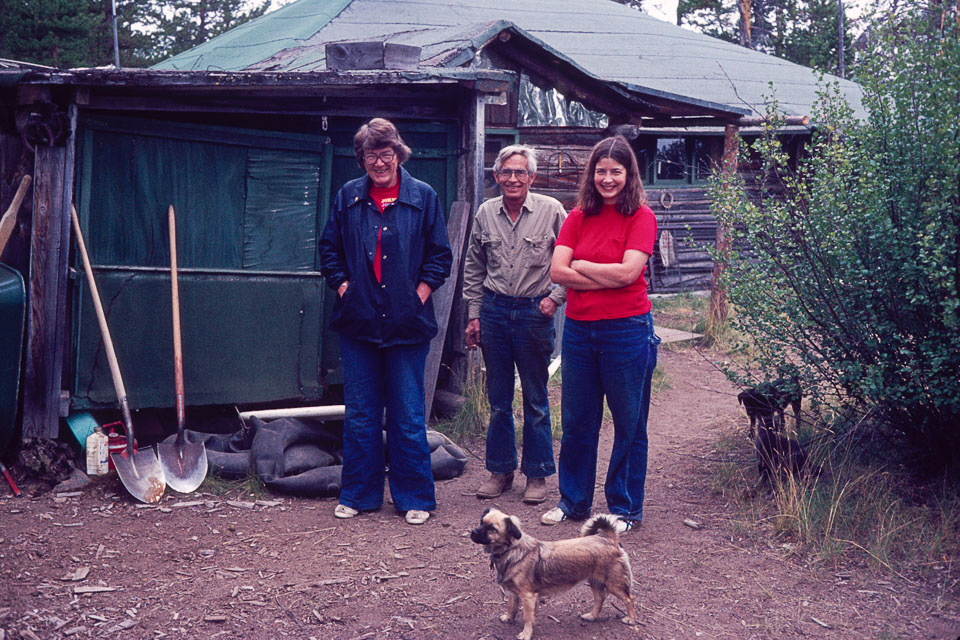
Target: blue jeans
612,358
375,378
515,331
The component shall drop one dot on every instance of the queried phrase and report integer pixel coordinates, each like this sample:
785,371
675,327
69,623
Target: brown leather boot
496,484
536,491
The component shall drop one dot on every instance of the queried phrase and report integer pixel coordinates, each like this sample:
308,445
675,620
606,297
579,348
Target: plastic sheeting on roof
541,108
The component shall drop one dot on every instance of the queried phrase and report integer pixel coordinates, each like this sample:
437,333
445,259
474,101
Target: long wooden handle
104,331
9,219
175,303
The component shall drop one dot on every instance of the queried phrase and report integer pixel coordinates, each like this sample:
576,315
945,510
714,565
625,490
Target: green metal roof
606,39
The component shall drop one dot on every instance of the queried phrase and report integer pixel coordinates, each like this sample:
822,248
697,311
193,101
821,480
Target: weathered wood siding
683,212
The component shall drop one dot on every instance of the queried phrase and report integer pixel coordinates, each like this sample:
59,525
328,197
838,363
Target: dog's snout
479,535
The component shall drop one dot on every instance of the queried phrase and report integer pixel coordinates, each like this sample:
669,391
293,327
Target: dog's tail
602,525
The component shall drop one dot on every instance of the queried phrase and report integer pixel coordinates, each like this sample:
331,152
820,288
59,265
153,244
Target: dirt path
214,566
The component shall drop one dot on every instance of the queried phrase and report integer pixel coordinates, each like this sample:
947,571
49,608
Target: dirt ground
213,565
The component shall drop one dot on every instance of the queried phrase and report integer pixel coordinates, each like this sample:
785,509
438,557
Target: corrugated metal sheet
607,39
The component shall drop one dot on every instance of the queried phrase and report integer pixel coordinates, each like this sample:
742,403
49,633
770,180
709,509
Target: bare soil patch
236,565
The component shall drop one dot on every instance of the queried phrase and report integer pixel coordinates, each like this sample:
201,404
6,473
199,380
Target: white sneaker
552,517
622,525
343,512
417,517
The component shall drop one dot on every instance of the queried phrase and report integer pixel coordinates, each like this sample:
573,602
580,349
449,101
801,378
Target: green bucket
82,425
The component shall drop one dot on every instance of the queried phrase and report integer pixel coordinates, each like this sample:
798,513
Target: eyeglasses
513,173
385,156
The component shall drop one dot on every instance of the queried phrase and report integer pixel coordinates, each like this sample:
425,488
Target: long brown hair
631,197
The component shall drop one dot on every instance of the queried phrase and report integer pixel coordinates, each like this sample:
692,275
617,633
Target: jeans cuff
565,507
539,471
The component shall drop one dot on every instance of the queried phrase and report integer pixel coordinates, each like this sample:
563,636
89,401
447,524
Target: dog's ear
513,527
485,512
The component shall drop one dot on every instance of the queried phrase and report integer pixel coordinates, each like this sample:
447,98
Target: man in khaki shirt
510,306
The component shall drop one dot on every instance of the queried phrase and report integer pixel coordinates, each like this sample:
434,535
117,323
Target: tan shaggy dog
528,568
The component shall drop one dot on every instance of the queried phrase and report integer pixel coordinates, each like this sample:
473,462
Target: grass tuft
471,420
844,508
250,487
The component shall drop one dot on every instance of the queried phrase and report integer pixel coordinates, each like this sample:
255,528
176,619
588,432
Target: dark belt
499,297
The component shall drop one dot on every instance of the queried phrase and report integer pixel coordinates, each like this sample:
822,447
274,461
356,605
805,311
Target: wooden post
728,164
47,293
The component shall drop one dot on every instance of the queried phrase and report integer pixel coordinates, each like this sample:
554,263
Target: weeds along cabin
250,134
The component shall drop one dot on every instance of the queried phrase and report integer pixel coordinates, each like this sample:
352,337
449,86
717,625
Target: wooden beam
756,121
728,165
720,121
391,109
242,81
49,251
565,136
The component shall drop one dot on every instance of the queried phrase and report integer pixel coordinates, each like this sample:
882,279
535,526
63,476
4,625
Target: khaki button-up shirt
513,258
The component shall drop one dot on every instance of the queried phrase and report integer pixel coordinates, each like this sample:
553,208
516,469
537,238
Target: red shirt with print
381,198
604,238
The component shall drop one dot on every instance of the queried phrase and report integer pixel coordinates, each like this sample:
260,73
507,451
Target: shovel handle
104,331
9,219
13,485
175,303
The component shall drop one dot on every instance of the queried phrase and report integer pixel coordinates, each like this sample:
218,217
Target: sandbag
302,457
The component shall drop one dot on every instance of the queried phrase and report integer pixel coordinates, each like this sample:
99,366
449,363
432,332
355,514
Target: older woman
384,251
609,347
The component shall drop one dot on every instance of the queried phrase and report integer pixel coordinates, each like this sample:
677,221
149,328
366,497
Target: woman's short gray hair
517,150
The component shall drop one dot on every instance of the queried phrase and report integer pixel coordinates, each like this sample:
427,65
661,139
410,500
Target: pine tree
50,32
79,33
178,25
802,31
716,18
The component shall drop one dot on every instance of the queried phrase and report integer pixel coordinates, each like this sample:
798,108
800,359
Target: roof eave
484,80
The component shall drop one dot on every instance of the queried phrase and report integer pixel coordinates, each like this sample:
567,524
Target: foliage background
852,285
79,33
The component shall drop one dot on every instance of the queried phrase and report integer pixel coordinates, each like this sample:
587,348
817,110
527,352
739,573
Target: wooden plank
675,335
443,297
469,189
49,250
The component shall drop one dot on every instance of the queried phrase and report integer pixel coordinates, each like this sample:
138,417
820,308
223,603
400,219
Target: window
676,160
670,163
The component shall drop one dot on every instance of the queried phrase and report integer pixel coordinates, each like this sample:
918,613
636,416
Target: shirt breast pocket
537,250
493,249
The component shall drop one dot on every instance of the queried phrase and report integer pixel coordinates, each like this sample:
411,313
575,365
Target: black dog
768,400
777,453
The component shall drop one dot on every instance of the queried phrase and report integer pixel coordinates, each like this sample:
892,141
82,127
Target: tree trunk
728,164
746,15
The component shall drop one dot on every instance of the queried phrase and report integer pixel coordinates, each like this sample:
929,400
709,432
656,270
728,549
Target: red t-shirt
605,237
381,198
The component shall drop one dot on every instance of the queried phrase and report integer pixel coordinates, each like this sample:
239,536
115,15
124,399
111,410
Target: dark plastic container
12,309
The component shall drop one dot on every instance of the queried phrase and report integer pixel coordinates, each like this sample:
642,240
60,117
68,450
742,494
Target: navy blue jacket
414,249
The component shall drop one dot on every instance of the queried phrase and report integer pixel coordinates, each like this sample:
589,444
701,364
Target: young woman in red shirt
609,346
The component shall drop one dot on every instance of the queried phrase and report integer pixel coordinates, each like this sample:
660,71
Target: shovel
184,463
9,219
139,471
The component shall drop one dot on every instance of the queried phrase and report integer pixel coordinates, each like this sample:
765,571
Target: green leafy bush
851,280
